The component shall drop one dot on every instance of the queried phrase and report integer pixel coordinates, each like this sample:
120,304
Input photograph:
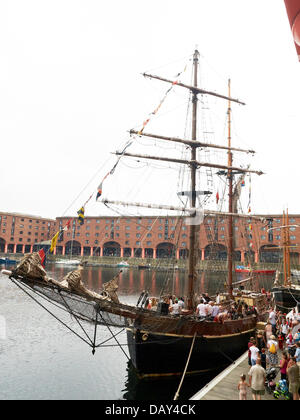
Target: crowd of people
278,346
207,308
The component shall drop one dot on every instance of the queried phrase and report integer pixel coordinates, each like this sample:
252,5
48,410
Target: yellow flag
53,241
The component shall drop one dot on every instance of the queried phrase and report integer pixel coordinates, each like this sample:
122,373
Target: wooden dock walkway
224,386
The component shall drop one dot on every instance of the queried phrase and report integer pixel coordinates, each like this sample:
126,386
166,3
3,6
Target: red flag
217,197
68,225
43,256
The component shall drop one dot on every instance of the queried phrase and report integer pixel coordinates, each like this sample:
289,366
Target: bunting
68,225
81,215
100,186
162,100
249,202
99,189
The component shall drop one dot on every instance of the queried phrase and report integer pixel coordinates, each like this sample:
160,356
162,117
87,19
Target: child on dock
242,387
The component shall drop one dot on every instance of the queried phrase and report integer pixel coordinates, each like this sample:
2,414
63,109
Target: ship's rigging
148,327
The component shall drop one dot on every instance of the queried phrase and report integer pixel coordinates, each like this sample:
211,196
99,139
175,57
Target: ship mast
192,238
230,218
286,252
194,165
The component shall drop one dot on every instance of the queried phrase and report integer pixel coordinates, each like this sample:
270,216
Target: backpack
272,348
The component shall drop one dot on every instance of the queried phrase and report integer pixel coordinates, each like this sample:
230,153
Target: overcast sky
71,88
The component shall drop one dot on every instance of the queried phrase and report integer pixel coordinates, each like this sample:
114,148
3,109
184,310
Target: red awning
293,12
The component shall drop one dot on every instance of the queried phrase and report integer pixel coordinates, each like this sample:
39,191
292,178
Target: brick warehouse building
20,233
148,237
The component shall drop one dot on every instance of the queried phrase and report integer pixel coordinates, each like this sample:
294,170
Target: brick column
122,252
143,252
5,248
242,256
202,254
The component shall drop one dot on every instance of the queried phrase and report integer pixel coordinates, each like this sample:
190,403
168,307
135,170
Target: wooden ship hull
286,298
159,345
165,354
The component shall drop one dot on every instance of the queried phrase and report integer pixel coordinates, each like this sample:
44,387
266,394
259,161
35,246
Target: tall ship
159,342
286,290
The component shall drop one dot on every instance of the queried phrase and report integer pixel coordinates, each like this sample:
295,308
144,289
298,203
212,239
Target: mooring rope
186,365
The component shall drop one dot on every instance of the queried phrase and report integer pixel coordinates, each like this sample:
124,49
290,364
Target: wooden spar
242,281
194,89
189,142
190,162
230,193
191,211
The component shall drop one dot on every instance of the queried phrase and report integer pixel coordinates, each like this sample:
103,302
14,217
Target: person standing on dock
257,376
254,350
272,319
273,351
268,331
242,387
249,352
293,373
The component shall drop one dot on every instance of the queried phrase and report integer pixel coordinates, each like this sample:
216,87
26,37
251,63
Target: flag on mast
68,225
81,215
53,242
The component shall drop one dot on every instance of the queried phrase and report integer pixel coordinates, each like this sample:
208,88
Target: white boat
123,264
68,262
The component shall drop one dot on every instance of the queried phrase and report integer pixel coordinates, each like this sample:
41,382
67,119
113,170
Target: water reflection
164,388
132,281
